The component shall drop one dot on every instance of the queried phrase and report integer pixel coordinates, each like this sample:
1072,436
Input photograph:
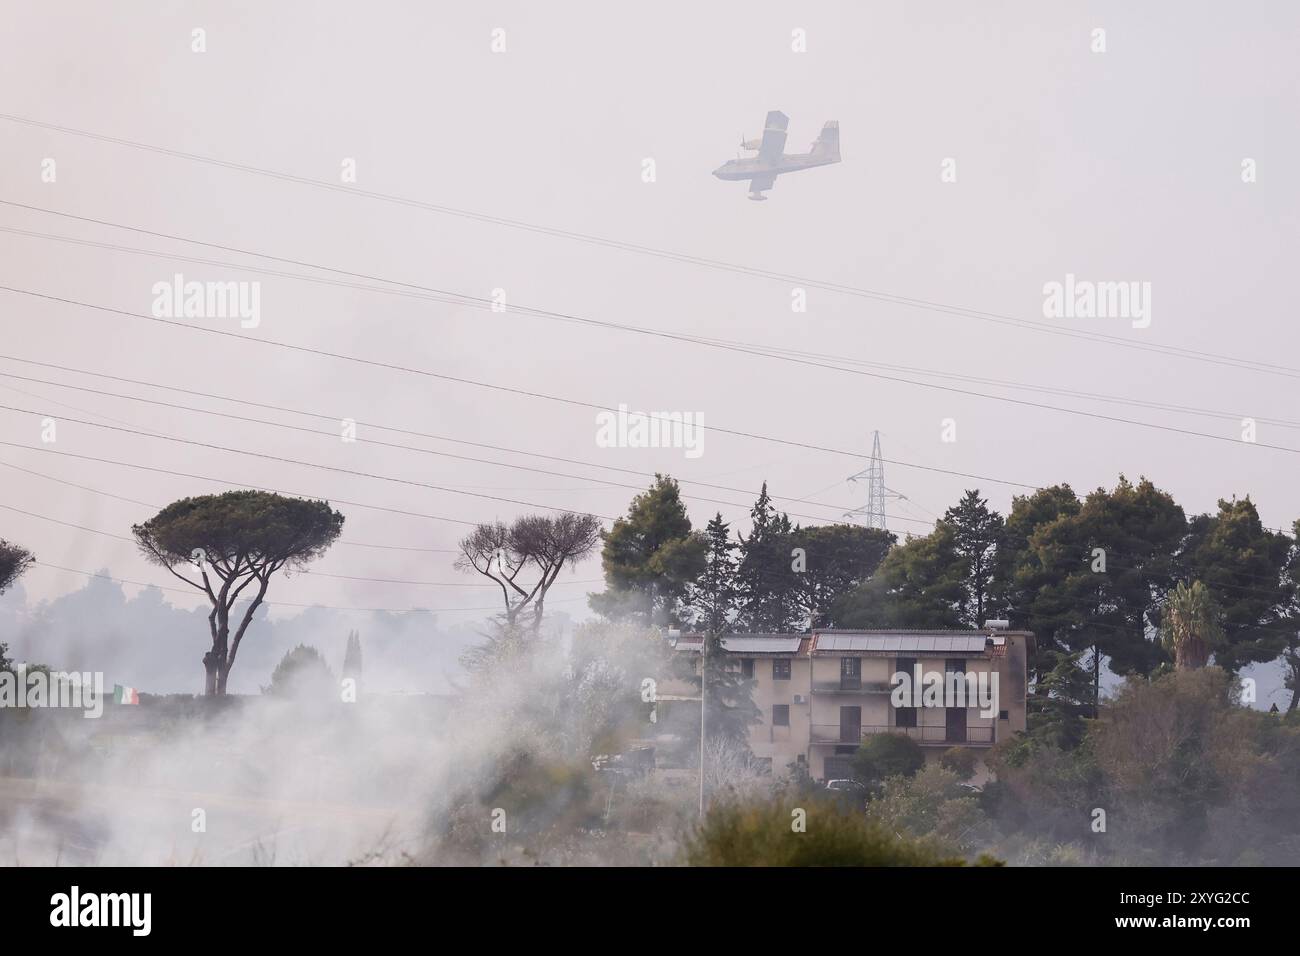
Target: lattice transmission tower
877,491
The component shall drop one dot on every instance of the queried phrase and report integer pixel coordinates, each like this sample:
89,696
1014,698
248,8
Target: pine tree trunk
210,674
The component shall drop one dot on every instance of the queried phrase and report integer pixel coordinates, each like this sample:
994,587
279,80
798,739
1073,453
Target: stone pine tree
1243,566
650,557
767,584
229,546
837,558
1101,573
713,595
352,661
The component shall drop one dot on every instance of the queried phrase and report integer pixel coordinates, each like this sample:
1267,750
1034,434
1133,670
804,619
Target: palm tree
1191,625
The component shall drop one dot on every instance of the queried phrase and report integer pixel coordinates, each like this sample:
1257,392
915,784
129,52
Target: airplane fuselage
738,169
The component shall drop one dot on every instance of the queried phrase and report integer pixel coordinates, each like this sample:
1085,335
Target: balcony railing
835,734
849,685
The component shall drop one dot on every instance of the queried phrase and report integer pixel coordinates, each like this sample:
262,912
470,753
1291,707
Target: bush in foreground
766,834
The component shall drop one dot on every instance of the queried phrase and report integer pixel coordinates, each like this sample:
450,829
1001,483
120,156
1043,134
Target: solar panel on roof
901,642
761,645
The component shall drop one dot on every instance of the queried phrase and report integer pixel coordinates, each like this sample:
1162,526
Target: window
780,715
747,668
850,673
905,717
780,670
954,665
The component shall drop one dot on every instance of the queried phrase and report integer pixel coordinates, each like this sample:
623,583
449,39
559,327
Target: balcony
930,736
850,685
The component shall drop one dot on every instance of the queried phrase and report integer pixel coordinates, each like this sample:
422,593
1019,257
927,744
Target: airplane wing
762,182
773,144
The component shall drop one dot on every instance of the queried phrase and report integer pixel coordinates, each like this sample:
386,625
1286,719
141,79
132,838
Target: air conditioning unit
800,699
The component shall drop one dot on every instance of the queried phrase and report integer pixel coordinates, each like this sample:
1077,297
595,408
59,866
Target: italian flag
125,695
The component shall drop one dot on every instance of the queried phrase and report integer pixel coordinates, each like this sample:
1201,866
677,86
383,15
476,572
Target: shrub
762,834
887,755
303,674
959,760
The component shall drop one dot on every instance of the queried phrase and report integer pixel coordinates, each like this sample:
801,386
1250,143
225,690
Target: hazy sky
1115,166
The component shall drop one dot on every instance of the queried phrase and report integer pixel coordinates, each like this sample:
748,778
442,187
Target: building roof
762,643
902,643
788,645
880,641
905,641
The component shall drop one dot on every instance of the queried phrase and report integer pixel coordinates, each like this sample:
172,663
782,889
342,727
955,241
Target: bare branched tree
525,558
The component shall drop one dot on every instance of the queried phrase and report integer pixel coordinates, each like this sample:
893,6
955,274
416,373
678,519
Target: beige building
820,695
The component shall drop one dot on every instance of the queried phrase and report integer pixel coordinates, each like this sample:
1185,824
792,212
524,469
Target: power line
155,506
526,393
428,451
228,483
910,302
468,301
1042,406
306,464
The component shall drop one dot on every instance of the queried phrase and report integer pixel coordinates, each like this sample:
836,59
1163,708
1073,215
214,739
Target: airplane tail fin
827,146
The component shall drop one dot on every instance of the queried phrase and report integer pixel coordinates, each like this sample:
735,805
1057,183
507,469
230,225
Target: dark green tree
713,595
920,584
650,558
1244,567
839,558
1102,575
1022,572
234,540
977,534
767,586
1062,700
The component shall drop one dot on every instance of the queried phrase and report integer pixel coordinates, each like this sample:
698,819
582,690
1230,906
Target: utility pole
704,677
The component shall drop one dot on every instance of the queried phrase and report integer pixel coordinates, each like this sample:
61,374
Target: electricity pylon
877,491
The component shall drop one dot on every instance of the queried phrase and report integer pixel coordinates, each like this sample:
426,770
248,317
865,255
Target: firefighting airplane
771,161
